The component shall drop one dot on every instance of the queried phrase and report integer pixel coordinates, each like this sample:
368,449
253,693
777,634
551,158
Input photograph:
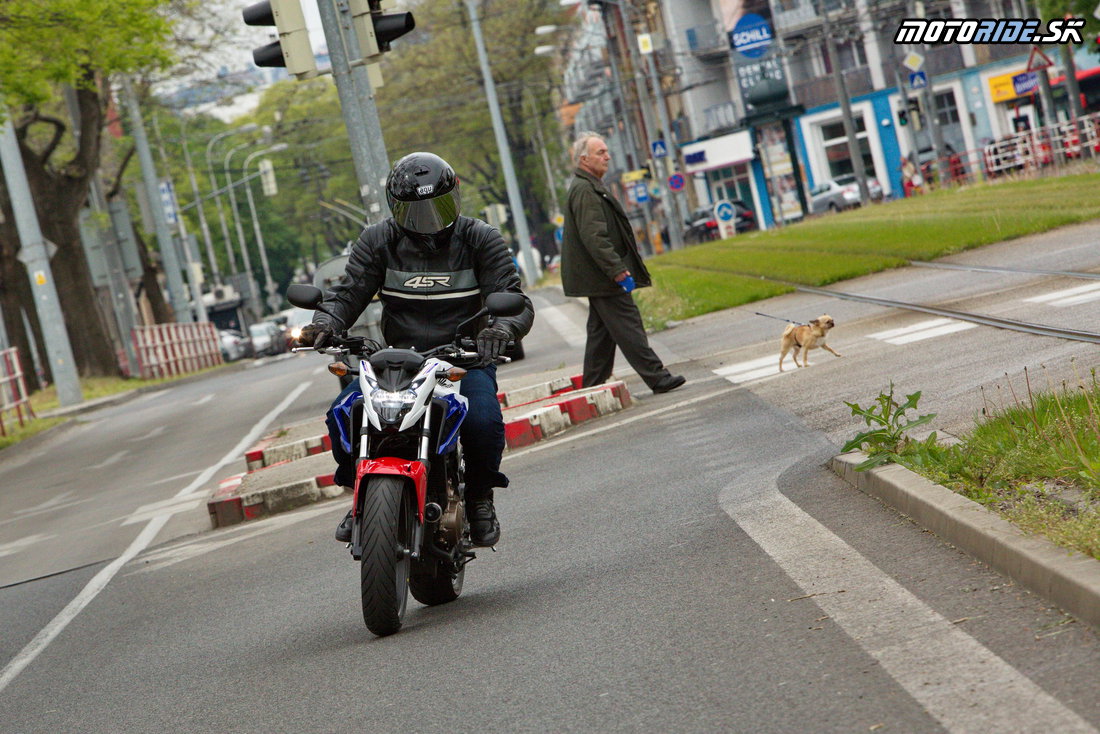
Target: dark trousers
615,321
482,436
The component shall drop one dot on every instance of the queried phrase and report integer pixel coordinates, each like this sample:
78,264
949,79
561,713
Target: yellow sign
1001,88
645,43
40,277
635,175
559,220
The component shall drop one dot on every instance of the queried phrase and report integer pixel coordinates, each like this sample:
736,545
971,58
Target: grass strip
834,247
680,293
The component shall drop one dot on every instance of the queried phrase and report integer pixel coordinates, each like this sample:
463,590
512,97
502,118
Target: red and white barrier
13,389
168,350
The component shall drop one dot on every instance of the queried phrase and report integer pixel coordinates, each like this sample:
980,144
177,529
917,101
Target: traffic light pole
355,121
519,217
35,256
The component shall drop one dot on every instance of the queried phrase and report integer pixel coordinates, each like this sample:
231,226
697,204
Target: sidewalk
291,466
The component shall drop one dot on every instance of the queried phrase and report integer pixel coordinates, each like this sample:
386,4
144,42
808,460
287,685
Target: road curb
1067,578
244,497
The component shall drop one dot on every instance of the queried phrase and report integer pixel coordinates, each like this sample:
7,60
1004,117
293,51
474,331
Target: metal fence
167,350
13,389
1039,152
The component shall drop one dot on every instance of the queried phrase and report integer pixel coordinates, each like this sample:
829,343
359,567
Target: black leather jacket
426,291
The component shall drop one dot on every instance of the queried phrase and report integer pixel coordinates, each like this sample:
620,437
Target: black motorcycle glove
491,342
317,336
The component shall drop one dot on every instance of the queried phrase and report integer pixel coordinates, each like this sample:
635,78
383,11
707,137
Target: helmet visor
428,216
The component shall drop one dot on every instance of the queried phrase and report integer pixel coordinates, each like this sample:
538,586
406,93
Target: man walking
600,261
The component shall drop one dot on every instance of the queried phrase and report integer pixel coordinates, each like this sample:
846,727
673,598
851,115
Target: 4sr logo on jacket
427,281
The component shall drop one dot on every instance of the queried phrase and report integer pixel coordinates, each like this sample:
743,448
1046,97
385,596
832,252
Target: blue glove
627,283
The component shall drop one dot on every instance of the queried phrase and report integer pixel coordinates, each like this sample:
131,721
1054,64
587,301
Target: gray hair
580,146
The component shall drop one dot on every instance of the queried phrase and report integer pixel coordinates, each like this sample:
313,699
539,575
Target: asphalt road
688,564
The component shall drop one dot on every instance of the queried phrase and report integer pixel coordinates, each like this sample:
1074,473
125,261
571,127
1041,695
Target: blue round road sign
676,182
752,36
724,211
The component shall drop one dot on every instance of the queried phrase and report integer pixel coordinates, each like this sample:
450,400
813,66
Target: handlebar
450,351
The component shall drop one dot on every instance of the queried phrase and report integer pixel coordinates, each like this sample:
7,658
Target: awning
706,155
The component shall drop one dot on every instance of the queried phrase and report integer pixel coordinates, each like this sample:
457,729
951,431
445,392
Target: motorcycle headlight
392,406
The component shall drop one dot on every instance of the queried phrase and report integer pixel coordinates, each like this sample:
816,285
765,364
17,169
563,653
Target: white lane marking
113,459
583,434
319,370
35,647
166,480
754,369
932,333
204,399
151,434
922,330
169,506
169,556
573,335
10,549
944,669
1068,296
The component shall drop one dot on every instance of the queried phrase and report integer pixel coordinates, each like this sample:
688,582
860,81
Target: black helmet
422,191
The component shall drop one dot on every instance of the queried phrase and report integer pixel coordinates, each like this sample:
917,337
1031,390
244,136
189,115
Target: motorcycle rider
432,269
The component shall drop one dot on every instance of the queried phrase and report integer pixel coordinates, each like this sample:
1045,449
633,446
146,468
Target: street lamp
249,285
250,127
269,284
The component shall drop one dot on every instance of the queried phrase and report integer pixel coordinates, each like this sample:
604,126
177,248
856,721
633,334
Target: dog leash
779,318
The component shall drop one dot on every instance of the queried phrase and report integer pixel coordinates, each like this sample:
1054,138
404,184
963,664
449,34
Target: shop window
835,144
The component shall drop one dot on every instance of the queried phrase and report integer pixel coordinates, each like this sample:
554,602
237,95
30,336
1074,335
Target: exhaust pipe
432,512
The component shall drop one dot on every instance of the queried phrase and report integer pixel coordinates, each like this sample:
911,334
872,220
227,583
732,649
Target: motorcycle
409,527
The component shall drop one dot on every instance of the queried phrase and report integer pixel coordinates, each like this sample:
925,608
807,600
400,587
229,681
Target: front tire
386,531
432,584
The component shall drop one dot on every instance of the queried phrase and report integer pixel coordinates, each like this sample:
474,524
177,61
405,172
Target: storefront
721,168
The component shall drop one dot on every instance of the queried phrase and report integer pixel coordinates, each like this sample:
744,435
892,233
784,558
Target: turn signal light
455,374
339,369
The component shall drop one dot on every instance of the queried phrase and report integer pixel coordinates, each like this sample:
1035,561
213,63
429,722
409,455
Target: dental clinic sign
760,75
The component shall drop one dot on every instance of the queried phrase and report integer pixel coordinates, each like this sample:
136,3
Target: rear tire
386,531
434,589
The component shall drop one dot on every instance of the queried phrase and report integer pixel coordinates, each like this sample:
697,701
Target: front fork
414,471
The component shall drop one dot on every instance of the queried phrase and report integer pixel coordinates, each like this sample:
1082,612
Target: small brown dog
806,337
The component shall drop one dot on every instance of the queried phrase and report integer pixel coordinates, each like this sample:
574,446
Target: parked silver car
267,338
234,345
842,192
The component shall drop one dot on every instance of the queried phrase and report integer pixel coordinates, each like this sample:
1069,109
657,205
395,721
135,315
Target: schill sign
752,36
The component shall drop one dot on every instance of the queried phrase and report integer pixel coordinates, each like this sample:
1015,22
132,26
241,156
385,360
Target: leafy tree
46,47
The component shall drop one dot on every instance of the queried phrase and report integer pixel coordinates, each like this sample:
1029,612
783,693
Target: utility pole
519,217
180,307
854,153
122,298
675,200
35,255
916,10
215,273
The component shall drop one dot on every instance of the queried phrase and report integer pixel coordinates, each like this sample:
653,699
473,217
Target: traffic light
916,113
375,30
903,117
292,50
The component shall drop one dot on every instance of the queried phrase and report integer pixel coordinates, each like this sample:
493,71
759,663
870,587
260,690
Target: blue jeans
482,436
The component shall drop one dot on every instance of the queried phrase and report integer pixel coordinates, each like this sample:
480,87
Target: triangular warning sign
1038,60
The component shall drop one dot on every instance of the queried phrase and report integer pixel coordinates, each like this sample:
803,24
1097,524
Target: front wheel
386,532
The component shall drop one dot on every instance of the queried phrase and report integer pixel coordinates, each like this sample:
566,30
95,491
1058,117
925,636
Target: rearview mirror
505,304
304,296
